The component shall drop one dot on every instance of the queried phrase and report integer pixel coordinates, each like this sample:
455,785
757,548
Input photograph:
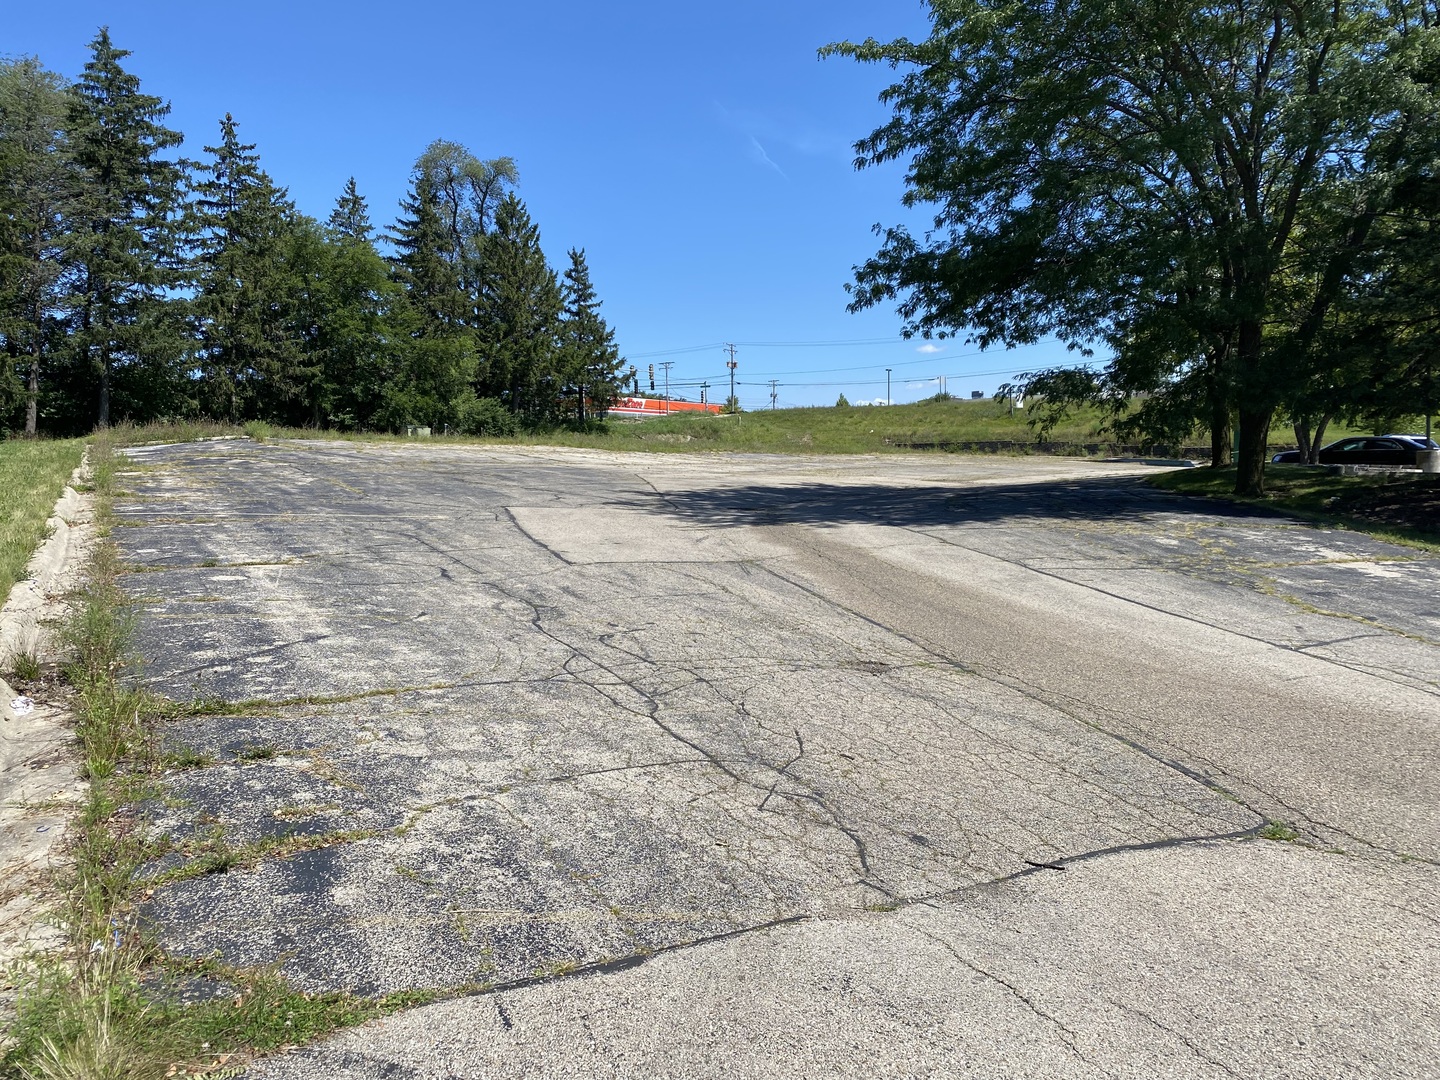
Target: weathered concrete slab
1217,960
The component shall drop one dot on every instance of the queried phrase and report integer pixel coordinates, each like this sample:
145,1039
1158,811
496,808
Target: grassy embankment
1403,509
955,426
32,476
927,425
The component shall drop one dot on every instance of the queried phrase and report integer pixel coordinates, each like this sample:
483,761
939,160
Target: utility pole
731,365
888,400
667,365
773,384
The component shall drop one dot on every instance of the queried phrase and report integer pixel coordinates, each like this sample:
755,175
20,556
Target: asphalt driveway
682,765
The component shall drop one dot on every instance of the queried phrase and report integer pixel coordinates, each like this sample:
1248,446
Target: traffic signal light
652,378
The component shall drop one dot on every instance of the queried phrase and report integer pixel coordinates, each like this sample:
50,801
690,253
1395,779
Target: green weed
26,667
1279,830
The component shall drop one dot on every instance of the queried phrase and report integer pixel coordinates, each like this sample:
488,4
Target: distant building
646,406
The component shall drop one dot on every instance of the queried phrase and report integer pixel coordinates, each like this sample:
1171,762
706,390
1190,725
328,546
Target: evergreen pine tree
34,216
354,319
438,360
125,241
247,285
589,358
350,220
519,317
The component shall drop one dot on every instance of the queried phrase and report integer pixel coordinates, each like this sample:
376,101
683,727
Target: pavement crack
780,773
1068,1035
1183,1039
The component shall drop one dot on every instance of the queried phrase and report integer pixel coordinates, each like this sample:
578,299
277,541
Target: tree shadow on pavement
1125,498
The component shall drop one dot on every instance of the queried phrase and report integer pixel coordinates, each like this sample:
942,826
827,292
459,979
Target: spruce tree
247,285
519,317
589,359
355,319
34,216
350,220
125,241
439,357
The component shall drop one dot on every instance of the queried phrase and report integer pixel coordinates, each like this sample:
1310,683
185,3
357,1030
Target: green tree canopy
440,356
246,240
350,220
589,361
125,239
520,305
35,211
1187,184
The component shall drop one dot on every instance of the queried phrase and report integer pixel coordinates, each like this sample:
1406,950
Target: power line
931,378
903,363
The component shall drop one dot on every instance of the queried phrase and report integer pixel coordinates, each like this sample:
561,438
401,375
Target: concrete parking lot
696,764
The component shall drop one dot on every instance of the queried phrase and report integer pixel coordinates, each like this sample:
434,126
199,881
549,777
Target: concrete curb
40,784
52,571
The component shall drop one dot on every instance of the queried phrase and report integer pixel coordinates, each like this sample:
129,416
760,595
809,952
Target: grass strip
99,1011
1399,509
33,473
953,426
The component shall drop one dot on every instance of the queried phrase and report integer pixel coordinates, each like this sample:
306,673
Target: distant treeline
135,285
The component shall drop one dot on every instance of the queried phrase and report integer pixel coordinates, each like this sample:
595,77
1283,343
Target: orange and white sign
644,406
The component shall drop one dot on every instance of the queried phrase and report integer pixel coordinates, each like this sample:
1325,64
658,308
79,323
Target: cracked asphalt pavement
686,765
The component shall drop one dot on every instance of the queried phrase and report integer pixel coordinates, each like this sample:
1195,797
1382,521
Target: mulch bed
1414,504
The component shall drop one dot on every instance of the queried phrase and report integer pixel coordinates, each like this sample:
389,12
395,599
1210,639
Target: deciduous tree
1188,184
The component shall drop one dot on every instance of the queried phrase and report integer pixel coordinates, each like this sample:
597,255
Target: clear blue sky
701,154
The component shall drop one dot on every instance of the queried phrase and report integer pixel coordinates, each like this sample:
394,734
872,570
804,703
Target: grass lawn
32,475
959,425
1406,509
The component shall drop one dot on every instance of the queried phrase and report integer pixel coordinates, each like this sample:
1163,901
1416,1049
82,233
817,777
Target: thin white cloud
764,158
928,347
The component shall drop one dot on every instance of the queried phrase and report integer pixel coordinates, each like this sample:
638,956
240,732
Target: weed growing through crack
1278,830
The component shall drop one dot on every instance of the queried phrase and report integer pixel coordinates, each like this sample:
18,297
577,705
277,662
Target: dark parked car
1363,450
1421,441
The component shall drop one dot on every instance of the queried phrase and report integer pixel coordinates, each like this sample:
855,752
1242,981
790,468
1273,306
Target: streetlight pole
888,401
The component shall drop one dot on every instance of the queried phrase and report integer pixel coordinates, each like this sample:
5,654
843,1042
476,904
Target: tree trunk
1318,440
1220,433
1254,441
32,398
1302,438
104,421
